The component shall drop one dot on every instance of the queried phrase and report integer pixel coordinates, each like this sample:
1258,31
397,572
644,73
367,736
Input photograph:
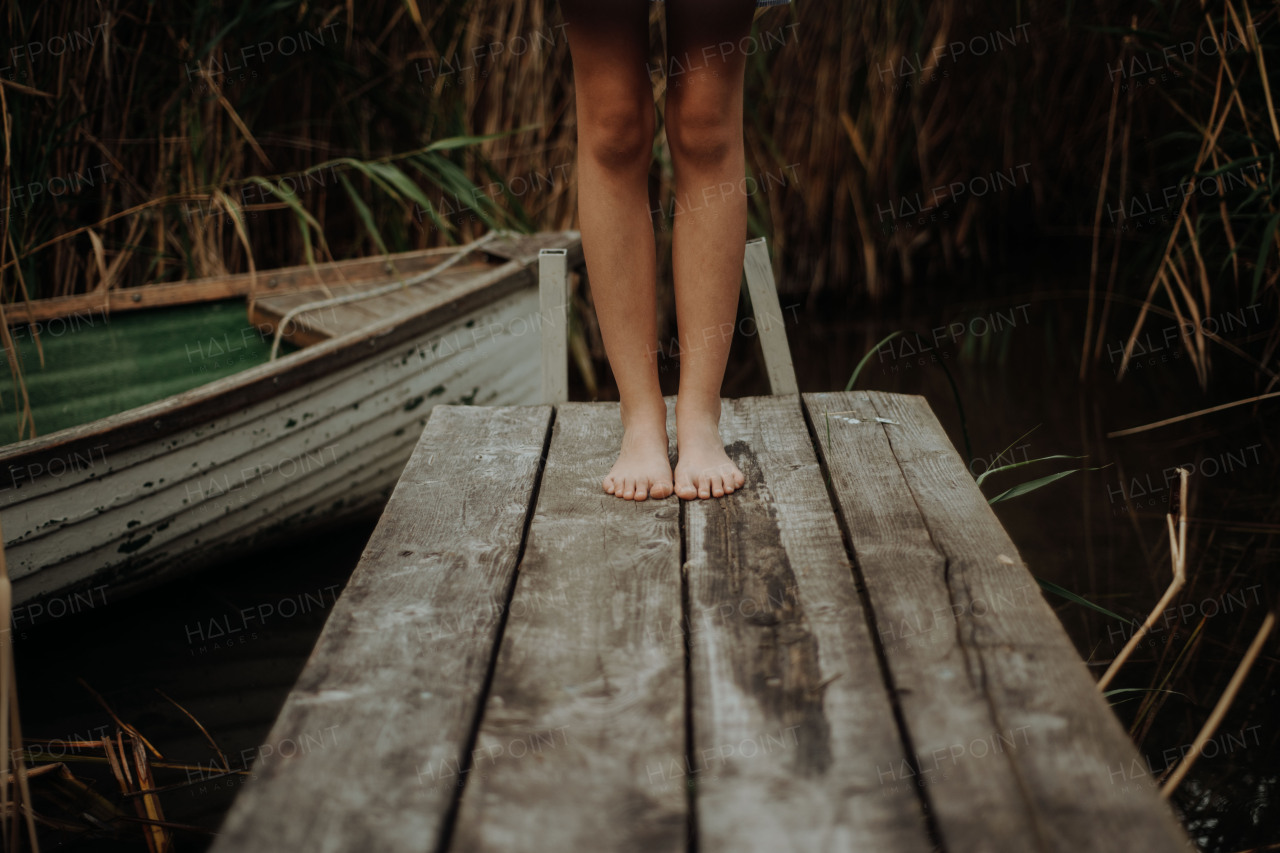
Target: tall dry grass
859,115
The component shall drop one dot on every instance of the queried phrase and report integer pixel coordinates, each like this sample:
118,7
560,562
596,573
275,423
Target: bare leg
609,46
704,129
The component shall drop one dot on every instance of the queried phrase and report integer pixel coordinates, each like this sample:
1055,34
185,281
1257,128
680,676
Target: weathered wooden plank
588,690
1011,743
320,324
768,317
397,673
903,574
223,286
791,716
331,321
311,327
514,247
553,301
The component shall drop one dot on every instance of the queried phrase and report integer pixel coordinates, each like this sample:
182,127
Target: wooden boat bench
846,654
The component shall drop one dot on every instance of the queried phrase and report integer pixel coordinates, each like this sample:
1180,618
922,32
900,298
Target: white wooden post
553,303
769,322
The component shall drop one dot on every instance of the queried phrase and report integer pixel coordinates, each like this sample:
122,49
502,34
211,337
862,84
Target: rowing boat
252,444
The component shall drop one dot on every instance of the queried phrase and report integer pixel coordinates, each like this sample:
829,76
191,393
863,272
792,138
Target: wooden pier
847,654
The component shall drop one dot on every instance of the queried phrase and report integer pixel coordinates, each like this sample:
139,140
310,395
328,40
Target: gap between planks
451,816
945,549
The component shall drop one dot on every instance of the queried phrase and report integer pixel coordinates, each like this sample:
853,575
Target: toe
608,484
704,486
642,490
628,488
683,488
717,485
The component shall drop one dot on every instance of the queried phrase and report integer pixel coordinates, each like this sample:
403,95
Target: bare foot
643,469
703,469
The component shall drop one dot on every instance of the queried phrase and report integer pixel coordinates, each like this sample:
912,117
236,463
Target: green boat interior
85,366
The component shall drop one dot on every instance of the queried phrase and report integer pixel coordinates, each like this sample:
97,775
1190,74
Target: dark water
1099,534
190,640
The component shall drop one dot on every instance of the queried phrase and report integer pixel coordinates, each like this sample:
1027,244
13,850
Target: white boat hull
327,450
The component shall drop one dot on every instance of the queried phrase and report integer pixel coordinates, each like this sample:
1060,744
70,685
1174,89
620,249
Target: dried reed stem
1174,420
11,727
1220,710
1178,556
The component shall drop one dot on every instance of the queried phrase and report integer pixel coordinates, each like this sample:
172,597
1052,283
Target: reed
70,806
895,146
16,812
1218,246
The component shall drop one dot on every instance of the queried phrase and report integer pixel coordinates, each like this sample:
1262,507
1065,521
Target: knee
619,135
702,133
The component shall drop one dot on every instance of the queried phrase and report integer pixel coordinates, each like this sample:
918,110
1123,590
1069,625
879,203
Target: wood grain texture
791,716
330,321
388,699
588,690
769,319
794,695
1012,745
266,283
225,286
525,247
553,302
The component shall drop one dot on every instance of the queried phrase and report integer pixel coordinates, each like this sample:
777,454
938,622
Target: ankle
696,410
644,413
